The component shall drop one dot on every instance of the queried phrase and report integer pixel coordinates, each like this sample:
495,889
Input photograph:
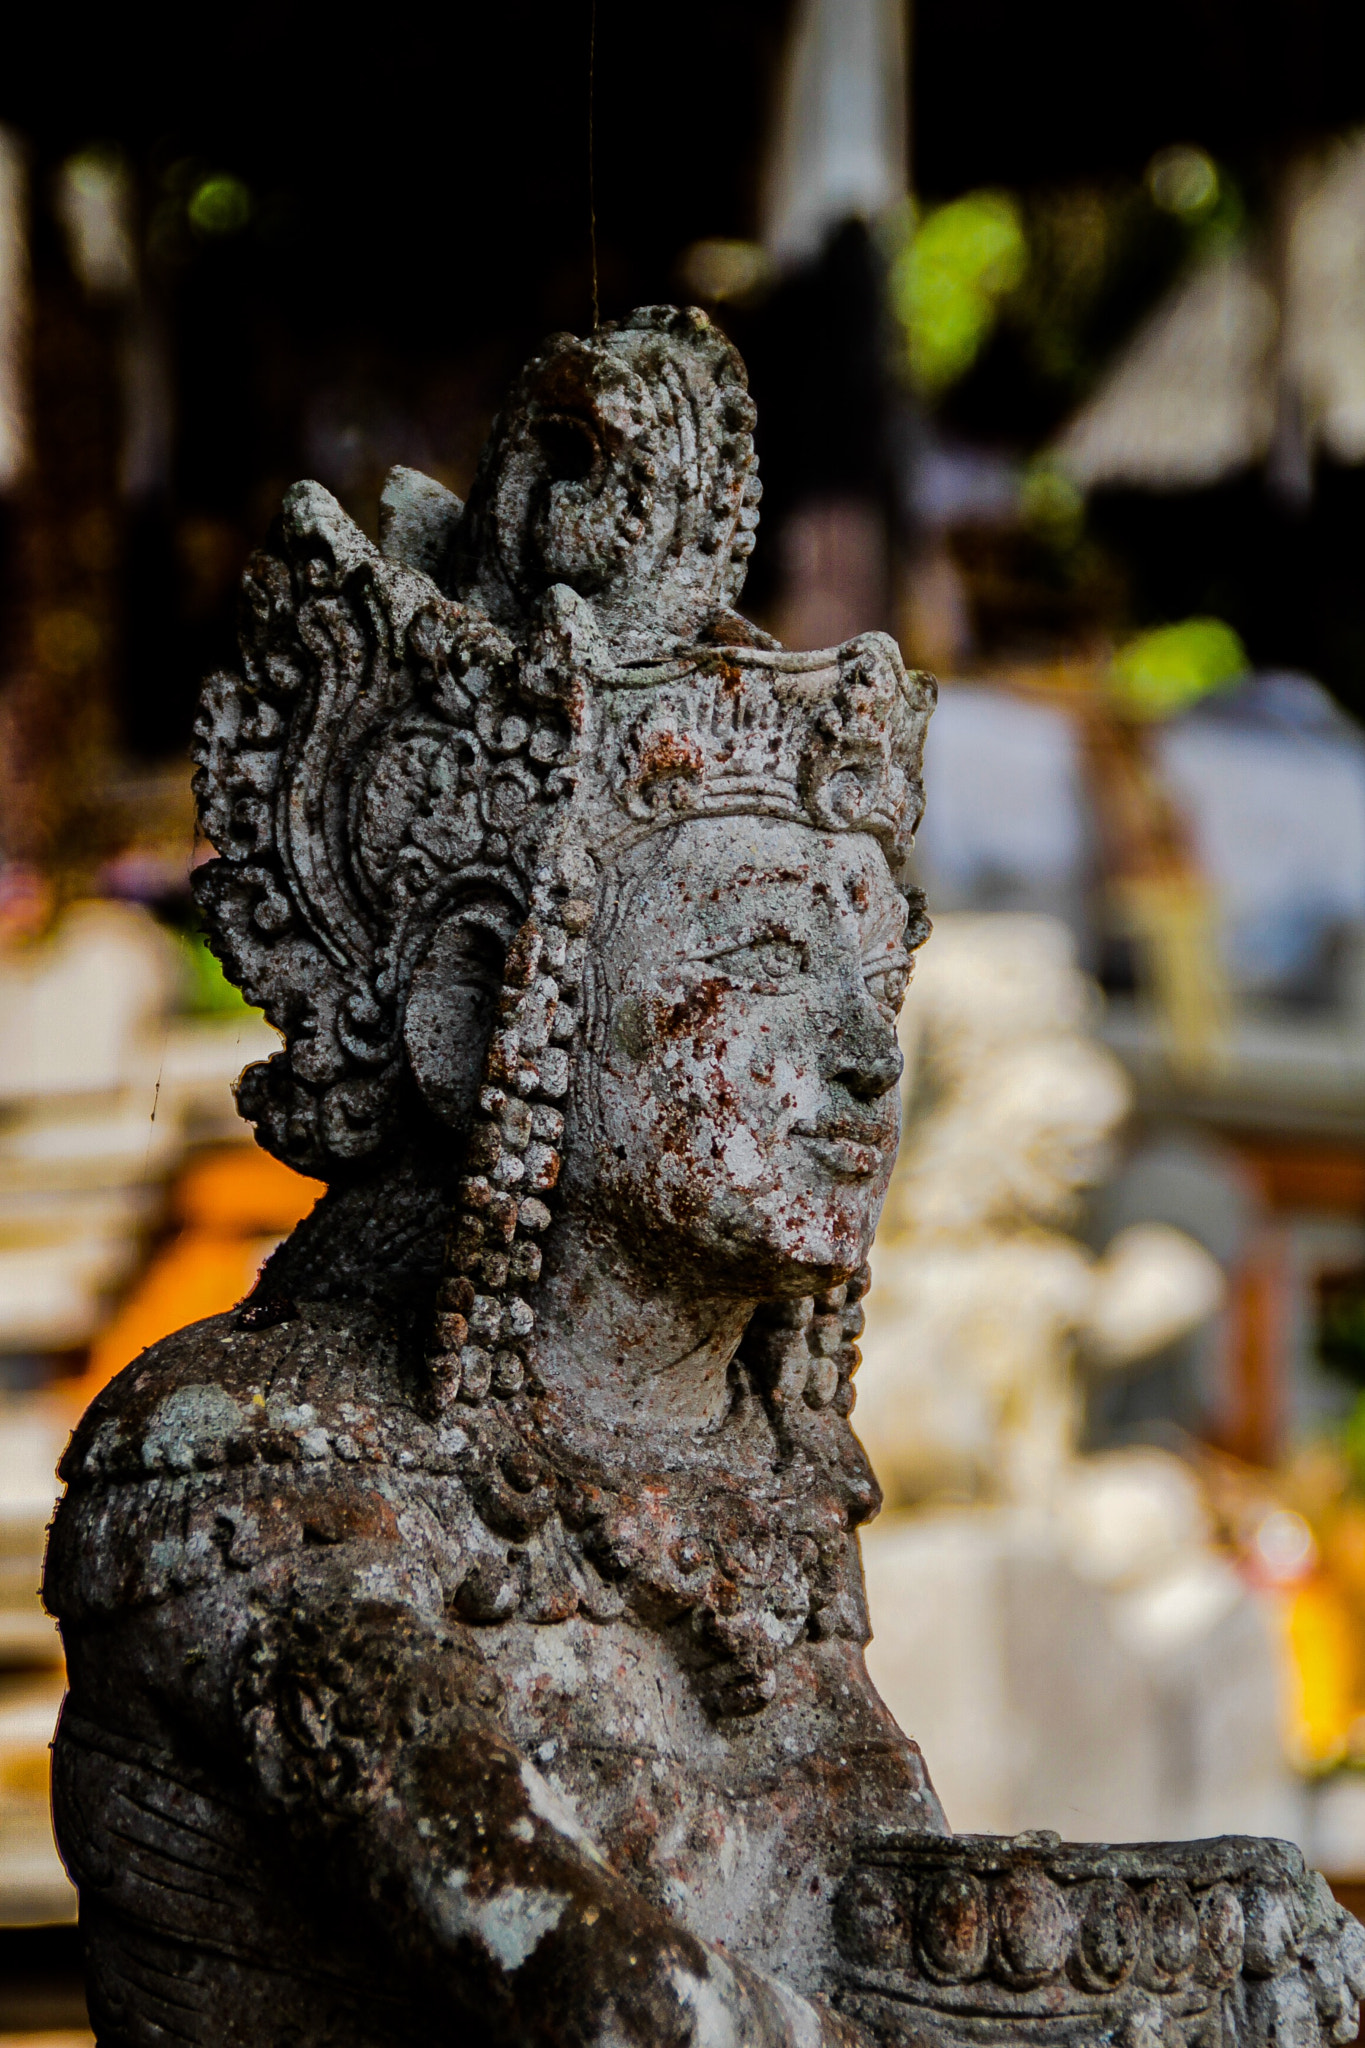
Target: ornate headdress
400,773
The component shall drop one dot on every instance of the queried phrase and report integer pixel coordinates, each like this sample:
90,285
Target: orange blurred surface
233,1208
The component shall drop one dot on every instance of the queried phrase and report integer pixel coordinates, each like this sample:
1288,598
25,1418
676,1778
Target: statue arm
372,1735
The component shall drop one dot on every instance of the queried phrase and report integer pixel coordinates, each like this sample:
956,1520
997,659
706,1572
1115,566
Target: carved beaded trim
1141,1937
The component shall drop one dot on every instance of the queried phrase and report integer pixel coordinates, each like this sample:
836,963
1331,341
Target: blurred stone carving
468,1630
1078,1614
980,1300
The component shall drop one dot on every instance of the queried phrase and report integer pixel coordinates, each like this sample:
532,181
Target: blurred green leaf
1162,671
220,205
948,278
1353,1441
1183,180
207,990
1051,505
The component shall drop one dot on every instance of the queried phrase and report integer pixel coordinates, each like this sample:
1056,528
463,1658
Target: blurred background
1055,318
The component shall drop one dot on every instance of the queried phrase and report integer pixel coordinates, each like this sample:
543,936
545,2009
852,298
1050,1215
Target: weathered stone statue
465,1636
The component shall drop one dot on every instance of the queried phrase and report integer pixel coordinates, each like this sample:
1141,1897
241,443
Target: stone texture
468,1630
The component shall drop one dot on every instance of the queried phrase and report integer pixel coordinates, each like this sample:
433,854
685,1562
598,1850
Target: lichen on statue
469,1628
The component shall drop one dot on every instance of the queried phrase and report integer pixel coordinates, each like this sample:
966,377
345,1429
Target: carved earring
483,1319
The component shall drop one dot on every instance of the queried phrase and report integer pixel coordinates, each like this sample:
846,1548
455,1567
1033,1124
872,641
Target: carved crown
831,739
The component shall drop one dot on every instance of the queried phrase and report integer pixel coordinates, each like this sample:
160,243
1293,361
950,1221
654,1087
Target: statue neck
621,1343
623,1346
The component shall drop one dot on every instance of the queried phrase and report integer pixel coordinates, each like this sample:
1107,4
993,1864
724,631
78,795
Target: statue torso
679,1659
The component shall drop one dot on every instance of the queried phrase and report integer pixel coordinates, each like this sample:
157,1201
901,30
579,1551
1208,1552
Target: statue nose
871,1065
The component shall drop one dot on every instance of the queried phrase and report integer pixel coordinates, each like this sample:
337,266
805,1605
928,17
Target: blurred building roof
1254,353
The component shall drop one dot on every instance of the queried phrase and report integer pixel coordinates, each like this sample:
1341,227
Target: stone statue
468,1630
985,1314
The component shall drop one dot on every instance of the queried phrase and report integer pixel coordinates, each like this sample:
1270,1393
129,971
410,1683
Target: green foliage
1184,181
1051,506
948,278
1049,281
1353,1442
207,990
219,205
1162,671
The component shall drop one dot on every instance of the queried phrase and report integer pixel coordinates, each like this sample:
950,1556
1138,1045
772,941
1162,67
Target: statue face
736,1100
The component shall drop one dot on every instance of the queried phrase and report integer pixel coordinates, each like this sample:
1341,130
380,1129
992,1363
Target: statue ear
451,1010
418,519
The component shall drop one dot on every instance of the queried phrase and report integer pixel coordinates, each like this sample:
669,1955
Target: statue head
548,863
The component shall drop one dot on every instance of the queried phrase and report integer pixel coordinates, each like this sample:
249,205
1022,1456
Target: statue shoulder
254,1456
330,1381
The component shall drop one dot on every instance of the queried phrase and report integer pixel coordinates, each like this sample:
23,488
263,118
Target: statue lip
851,1150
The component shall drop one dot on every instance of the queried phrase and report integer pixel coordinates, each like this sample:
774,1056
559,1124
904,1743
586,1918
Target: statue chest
739,1825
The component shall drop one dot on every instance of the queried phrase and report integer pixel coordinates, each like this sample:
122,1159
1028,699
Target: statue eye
569,446
765,965
887,981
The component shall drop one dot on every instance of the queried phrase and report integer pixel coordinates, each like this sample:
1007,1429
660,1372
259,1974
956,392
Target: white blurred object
1286,1546
202,1058
965,1388
102,1089
94,201
1071,1651
979,1300
1126,1516
1021,1130
1324,303
80,1012
936,1656
80,1141
989,981
1046,1700
839,148
1152,1285
53,1297
1236,351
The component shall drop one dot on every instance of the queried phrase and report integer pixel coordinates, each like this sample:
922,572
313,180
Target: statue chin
465,1636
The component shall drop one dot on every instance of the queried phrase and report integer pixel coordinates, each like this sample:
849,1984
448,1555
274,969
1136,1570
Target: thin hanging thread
592,188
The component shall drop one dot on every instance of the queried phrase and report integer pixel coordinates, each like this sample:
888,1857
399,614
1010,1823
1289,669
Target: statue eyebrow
893,953
756,935
888,927
758,878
